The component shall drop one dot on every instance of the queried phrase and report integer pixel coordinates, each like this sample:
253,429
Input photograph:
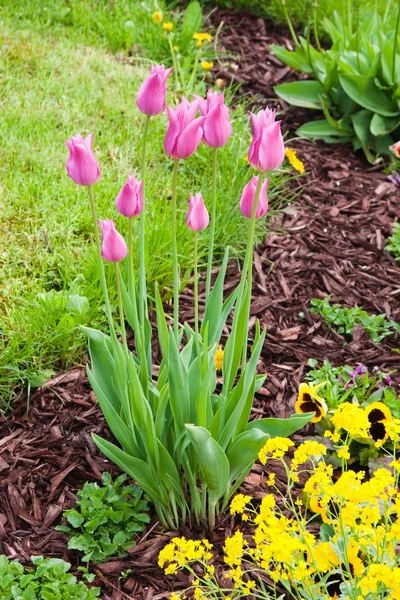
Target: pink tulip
197,217
248,197
217,128
184,130
82,165
113,247
267,149
130,199
152,93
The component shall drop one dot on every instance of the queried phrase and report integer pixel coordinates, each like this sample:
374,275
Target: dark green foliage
49,581
106,518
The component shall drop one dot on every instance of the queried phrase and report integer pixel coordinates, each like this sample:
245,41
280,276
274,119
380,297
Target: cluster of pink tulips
185,132
186,442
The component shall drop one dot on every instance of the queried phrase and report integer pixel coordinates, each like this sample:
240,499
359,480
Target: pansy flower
309,401
378,415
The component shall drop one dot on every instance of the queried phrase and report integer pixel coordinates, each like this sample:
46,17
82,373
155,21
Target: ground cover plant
355,81
106,519
48,579
43,299
344,319
394,242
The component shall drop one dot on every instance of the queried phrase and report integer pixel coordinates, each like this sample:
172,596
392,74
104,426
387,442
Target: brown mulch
330,242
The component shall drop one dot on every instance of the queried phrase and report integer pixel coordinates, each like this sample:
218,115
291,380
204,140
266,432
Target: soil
331,241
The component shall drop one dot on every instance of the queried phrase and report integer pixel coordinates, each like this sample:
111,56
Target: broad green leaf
103,368
364,92
280,427
191,23
383,125
301,93
212,460
122,432
178,385
320,130
137,469
296,60
244,451
362,126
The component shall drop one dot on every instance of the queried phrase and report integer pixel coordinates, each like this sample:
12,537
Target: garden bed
330,242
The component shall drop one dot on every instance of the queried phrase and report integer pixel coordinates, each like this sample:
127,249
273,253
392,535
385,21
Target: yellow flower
276,447
238,504
206,65
175,48
307,450
296,163
352,419
378,415
219,355
271,479
344,453
168,26
201,37
156,17
309,401
174,596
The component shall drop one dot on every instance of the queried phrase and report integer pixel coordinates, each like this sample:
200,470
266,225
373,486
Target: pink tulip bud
267,149
184,130
113,247
82,165
130,199
152,93
217,128
197,216
248,197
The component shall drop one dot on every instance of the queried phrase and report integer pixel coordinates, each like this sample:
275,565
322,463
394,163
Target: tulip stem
130,259
248,261
142,238
196,291
213,219
120,306
175,265
101,265
396,35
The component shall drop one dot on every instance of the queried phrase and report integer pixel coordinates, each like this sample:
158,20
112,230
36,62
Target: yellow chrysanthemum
309,401
206,65
156,17
168,26
219,355
296,163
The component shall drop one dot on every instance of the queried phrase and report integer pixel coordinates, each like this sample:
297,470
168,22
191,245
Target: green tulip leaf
365,92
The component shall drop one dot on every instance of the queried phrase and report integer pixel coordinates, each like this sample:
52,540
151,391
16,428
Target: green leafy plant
360,385
356,81
50,580
106,518
344,319
394,241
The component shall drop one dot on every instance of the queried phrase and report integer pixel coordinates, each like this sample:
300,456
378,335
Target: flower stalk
175,264
142,238
213,219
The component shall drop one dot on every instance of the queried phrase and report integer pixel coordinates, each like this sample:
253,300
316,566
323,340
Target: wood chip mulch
331,241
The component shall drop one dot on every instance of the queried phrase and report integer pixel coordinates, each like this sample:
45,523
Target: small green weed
106,518
394,241
358,385
49,581
344,319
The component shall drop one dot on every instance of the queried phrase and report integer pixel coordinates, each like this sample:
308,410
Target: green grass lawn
53,87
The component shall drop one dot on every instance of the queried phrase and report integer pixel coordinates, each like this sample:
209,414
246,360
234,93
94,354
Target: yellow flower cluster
360,559
374,423
274,448
238,505
180,551
296,163
206,65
